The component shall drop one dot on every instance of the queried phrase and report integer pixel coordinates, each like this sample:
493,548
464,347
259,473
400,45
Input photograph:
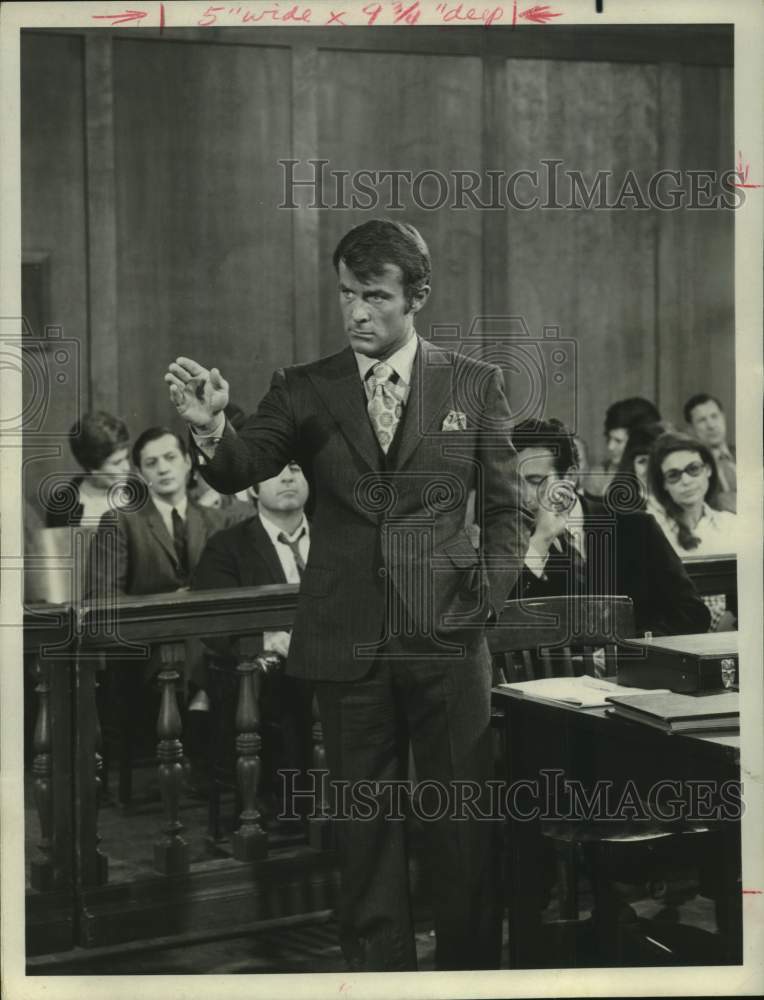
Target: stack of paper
583,692
681,713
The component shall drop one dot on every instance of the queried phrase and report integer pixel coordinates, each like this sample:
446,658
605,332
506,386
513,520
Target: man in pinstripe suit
392,434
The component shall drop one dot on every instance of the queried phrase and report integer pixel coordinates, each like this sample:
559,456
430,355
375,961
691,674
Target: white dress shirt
285,554
716,529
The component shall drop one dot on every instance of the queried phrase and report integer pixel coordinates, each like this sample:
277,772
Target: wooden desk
587,745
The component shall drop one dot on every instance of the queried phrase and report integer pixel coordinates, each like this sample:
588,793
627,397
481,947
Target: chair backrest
560,637
55,564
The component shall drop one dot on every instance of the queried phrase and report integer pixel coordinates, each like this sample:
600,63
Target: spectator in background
578,546
705,416
631,481
158,544
99,442
682,475
620,418
270,547
152,548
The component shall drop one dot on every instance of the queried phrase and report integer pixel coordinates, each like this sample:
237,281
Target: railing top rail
176,616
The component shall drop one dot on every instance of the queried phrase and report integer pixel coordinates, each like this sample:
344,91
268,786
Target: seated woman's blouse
716,529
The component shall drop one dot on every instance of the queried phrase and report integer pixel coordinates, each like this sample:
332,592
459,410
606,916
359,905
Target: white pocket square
455,421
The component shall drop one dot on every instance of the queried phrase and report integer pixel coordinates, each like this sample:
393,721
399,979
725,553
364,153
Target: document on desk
582,692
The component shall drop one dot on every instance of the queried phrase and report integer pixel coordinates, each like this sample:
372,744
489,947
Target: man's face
540,480
616,442
115,468
708,423
375,314
288,491
164,466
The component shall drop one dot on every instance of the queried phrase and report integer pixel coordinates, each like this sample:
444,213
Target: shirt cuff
207,443
216,432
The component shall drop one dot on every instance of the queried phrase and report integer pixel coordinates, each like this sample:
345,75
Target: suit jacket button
382,572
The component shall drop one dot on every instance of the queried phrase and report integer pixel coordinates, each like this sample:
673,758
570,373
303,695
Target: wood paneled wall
151,176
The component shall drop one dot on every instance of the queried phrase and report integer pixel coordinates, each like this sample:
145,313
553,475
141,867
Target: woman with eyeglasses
682,478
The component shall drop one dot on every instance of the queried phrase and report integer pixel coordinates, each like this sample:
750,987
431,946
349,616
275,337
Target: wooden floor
298,945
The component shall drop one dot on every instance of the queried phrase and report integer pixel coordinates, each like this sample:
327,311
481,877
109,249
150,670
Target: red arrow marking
123,18
540,14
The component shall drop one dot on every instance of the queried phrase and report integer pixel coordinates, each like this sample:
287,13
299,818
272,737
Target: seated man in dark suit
153,546
270,547
579,546
159,541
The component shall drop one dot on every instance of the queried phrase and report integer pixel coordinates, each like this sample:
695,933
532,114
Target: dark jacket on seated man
581,546
145,559
154,546
249,554
626,554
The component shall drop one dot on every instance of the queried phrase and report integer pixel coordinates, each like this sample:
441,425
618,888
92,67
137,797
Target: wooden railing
712,574
64,649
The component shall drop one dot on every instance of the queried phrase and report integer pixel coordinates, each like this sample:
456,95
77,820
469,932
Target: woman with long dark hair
682,478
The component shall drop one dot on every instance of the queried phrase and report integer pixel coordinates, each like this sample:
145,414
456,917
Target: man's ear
419,298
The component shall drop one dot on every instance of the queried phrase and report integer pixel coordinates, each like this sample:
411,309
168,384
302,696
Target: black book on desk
705,662
680,713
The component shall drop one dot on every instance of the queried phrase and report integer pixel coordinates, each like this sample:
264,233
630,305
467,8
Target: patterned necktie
180,542
385,404
294,545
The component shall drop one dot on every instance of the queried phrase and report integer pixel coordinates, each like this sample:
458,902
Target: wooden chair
565,637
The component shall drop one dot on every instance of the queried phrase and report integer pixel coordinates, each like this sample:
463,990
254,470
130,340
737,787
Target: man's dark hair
628,412
641,440
663,447
366,249
152,434
550,434
697,400
97,436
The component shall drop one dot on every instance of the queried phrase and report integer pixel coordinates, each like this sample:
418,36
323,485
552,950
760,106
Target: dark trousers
443,708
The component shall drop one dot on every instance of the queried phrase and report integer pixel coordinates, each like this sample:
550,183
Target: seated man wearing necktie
269,548
579,546
158,544
151,547
706,419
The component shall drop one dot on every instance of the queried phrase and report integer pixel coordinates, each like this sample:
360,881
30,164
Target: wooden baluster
101,861
319,826
171,852
250,841
41,868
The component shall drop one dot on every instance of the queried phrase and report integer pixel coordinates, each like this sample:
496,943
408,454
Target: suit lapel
157,528
431,387
265,549
339,386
